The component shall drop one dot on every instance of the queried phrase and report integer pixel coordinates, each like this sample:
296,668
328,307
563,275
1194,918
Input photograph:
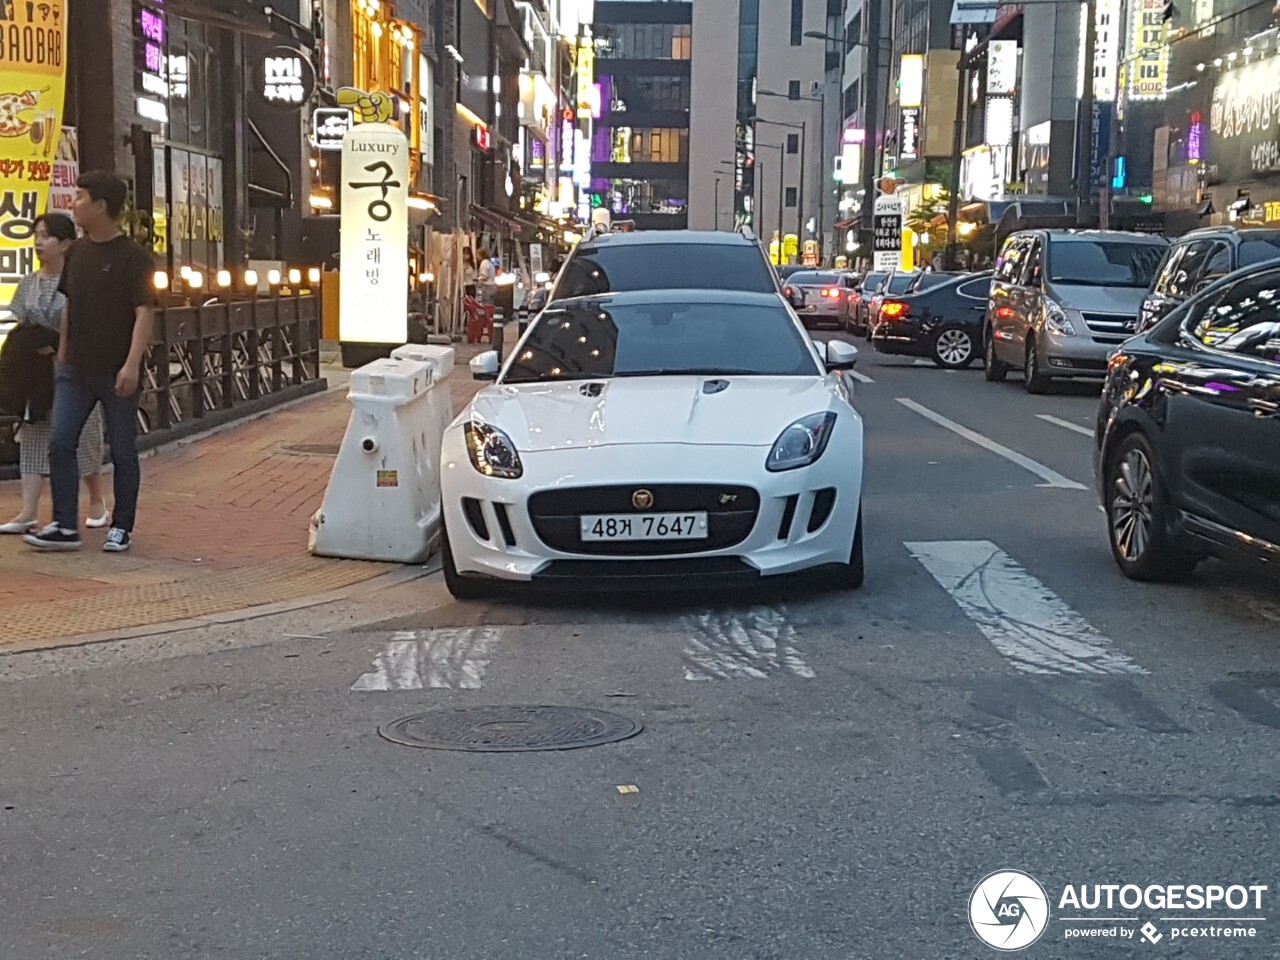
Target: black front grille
731,513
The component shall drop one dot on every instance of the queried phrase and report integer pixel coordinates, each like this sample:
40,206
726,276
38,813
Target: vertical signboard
374,261
1148,40
1002,68
66,169
1099,144
32,83
886,233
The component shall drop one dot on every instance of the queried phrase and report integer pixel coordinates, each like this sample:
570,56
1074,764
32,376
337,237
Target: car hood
748,411
1126,300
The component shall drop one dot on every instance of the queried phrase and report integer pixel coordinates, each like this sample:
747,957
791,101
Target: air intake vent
823,501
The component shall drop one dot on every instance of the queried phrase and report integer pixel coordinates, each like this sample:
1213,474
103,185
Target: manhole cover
311,449
510,729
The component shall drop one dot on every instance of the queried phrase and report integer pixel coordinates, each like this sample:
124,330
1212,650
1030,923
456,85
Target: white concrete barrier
383,498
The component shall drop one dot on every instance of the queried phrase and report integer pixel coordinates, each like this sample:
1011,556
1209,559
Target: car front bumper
1077,356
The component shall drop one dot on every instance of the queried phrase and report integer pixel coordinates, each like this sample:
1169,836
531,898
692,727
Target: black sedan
942,321
1188,434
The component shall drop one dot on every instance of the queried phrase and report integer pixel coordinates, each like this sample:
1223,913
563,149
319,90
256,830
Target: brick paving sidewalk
222,525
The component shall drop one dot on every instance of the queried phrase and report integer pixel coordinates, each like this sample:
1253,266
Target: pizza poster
33,59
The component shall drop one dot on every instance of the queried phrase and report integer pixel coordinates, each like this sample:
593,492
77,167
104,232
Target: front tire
953,348
462,588
1033,375
1139,515
849,576
995,370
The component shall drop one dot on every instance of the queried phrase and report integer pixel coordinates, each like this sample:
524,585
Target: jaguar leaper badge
642,499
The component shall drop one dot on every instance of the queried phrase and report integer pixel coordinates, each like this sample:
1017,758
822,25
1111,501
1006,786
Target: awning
495,219
973,12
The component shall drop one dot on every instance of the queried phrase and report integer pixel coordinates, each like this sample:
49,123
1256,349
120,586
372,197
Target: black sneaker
53,537
117,541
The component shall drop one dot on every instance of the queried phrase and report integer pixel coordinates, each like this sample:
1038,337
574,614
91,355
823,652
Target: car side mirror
840,355
484,366
537,300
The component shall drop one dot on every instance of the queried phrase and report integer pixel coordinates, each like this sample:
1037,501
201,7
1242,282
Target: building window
797,22
641,94
793,89
681,41
791,196
793,143
649,145
625,196
646,41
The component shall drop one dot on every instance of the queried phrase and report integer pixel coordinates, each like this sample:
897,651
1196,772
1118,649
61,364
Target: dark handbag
26,371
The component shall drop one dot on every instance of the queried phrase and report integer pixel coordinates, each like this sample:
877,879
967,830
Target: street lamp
800,191
781,148
822,152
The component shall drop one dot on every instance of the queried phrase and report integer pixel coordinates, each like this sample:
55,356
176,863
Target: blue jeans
74,393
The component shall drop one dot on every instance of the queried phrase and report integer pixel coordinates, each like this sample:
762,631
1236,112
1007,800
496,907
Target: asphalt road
818,776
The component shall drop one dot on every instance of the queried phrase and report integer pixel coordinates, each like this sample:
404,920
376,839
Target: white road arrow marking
1050,477
754,645
450,659
1022,618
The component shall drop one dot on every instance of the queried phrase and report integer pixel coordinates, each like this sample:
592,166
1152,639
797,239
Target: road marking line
449,659
860,377
1051,477
754,645
1067,424
921,362
1023,619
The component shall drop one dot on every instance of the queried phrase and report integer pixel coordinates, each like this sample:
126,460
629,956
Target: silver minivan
1061,300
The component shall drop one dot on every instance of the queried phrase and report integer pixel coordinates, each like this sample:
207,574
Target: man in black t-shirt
106,328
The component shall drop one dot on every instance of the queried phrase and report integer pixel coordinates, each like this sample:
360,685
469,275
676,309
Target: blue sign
1121,175
1099,143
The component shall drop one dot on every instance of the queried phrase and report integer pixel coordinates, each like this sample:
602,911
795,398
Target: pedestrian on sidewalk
37,306
106,328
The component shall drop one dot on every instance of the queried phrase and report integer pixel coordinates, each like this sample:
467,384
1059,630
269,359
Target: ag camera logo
1009,910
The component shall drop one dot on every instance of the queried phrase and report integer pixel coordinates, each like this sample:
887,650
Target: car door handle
1264,408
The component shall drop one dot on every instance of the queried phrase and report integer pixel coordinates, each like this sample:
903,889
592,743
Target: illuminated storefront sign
284,78
911,80
586,77
1149,72
374,235
1106,51
999,126
1002,68
328,126
909,134
1244,122
1195,136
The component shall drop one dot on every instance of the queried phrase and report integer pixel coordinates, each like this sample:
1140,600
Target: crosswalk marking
1022,618
455,658
1051,477
753,645
1065,424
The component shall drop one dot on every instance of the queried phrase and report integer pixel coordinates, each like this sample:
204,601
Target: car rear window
813,277
1259,250
899,282
665,266
872,281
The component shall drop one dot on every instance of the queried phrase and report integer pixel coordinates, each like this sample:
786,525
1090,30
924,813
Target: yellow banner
33,59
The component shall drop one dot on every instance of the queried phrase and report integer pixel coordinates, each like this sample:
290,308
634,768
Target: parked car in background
1187,455
827,295
893,284
1062,299
943,321
1197,259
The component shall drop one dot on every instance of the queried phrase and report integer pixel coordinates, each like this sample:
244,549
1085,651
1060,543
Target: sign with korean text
374,261
1002,68
1148,39
586,77
66,170
886,233
329,125
1244,123
1099,144
284,78
33,59
150,41
909,134
193,223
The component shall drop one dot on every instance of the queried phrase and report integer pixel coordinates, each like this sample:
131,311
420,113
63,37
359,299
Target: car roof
650,237
739,298
1227,230
1083,236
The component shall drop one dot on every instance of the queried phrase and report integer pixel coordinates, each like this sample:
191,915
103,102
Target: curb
381,582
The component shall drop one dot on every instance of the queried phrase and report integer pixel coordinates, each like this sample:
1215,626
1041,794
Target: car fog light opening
801,443
492,452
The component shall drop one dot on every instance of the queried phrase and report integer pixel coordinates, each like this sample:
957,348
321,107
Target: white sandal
97,522
19,526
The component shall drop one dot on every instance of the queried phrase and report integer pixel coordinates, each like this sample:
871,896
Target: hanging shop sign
911,80
150,40
329,125
1099,143
284,78
909,134
1002,68
586,76
32,84
374,227
1148,39
66,170
1244,123
886,233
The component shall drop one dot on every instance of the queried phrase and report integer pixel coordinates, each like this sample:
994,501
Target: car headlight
492,452
1056,321
801,443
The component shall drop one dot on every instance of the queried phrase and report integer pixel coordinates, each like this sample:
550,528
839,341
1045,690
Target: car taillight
787,291
1005,313
833,292
893,309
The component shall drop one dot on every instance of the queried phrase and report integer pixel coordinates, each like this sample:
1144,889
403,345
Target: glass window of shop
647,196
649,145
646,41
635,94
188,177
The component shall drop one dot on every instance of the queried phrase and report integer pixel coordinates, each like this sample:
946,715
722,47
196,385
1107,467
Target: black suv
1188,432
1197,259
662,259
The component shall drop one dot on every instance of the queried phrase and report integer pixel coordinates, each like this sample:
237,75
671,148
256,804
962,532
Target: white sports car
686,434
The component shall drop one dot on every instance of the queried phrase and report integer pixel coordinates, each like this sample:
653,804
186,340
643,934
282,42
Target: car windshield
1259,250
670,266
812,278
593,339
1109,263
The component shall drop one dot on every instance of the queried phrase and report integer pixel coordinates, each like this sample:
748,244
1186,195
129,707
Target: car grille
731,514
1111,327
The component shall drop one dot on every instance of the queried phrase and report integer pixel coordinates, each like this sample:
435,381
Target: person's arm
144,315
62,334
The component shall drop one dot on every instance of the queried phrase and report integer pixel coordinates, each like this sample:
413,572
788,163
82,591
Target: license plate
648,526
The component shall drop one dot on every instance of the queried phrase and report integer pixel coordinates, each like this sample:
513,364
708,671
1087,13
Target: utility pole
1084,126
717,194
872,86
957,152
804,135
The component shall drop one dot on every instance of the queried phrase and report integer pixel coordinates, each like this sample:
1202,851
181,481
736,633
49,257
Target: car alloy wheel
995,370
1137,517
953,348
1033,377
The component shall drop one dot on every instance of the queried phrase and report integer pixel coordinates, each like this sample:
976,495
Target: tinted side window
975,289
1167,272
690,266
1011,259
1031,272
1219,264
1191,268
1245,320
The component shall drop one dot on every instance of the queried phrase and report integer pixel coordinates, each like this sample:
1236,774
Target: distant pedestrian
37,305
106,329
486,277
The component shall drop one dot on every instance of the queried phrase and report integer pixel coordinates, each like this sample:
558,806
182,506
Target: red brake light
1004,312
833,292
893,308
787,291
